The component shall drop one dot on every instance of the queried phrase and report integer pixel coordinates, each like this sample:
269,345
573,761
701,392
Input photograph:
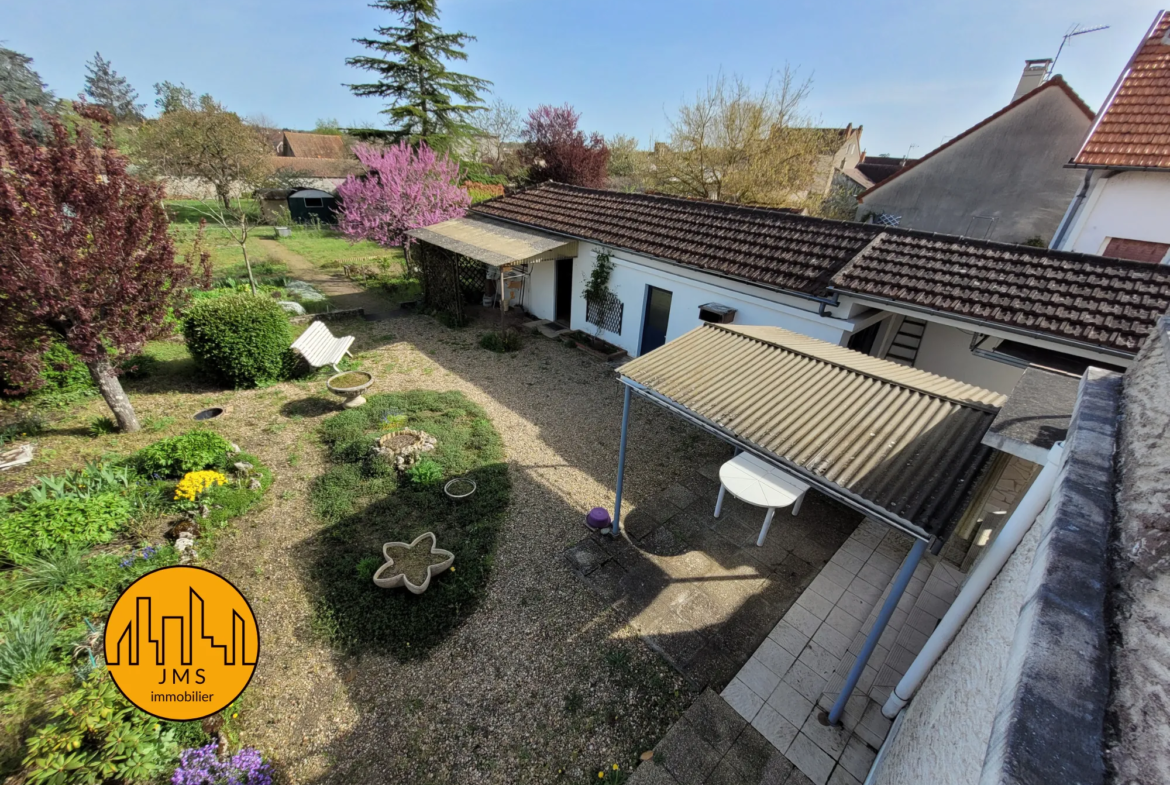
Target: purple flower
199,766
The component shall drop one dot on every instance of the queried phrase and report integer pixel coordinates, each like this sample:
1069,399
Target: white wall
947,352
633,273
540,296
1133,205
945,730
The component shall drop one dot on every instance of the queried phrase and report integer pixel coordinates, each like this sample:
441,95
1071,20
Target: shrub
102,426
97,736
55,571
27,639
44,526
241,340
189,452
425,473
506,341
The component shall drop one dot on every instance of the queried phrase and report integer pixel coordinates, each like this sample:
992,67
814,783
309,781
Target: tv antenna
1073,31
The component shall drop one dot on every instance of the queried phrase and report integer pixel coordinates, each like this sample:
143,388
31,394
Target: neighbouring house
317,161
1122,207
1003,179
837,166
973,310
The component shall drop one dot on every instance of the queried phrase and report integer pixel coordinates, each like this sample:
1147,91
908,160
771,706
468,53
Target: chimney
1033,77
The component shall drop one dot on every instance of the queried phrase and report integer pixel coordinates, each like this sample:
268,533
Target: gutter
1073,211
977,583
1092,348
824,301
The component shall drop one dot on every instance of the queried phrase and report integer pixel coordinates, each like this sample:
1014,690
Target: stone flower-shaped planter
350,386
404,446
391,575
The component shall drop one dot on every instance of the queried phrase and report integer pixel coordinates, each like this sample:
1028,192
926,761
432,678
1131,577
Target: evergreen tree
20,85
110,91
426,101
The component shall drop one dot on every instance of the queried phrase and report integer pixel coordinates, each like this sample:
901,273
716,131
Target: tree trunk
248,264
111,389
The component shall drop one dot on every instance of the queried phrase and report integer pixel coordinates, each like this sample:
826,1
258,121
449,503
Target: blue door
656,320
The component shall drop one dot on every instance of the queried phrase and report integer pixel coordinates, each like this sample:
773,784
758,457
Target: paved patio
699,590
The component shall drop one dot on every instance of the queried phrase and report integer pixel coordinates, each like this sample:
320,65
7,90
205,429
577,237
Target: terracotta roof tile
1133,127
304,145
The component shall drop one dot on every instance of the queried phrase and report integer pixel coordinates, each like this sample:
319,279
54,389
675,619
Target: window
311,201
1136,250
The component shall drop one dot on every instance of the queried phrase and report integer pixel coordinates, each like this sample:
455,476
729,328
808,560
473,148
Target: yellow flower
195,483
615,767
601,775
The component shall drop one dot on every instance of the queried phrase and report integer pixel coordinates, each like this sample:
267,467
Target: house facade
1003,179
1121,206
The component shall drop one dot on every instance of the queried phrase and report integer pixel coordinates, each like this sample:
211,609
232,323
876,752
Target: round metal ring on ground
209,414
459,488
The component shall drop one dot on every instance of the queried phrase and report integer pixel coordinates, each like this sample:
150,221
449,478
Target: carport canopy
495,243
898,444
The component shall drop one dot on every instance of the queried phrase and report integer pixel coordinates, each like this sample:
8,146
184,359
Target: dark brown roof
1091,300
1056,81
760,245
880,167
1133,128
302,145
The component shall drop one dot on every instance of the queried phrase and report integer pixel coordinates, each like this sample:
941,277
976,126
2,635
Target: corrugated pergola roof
900,444
495,242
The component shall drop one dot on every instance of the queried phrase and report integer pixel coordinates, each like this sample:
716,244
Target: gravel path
543,683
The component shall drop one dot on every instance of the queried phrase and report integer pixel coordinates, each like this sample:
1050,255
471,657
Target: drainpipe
1074,210
977,582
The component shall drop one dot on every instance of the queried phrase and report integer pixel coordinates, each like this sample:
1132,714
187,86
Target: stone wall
1140,706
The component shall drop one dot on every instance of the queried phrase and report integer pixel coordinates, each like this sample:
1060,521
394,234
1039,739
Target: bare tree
738,144
237,220
501,122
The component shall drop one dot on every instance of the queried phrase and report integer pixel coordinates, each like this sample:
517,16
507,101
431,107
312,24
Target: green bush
45,526
240,339
425,473
27,639
189,452
506,341
98,736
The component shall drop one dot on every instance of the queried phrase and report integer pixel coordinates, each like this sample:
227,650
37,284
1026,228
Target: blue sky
913,73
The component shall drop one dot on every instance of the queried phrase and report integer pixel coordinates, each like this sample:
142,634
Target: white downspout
977,582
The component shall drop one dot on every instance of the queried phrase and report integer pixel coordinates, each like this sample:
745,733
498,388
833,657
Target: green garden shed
309,204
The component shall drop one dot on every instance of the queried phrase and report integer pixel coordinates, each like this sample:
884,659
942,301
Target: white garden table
758,483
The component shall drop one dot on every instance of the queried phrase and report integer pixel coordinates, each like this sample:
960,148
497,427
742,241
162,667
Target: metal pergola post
909,564
617,502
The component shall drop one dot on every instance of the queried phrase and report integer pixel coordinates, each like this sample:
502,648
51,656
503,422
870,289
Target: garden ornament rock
390,576
404,447
294,308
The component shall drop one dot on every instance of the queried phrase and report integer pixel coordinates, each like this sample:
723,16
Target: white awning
495,243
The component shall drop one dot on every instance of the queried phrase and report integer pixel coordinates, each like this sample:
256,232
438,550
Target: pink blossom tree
404,188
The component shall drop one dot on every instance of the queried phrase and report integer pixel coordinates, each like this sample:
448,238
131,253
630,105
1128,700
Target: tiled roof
1133,127
1091,300
302,145
1054,82
760,245
317,167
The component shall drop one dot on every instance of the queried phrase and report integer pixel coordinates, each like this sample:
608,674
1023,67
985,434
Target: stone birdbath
350,386
412,564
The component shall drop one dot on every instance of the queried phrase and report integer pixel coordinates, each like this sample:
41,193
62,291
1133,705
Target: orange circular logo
181,643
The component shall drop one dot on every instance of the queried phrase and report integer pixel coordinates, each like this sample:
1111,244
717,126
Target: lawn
328,249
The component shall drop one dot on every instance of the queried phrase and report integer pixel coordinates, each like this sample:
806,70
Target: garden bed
366,501
69,545
591,344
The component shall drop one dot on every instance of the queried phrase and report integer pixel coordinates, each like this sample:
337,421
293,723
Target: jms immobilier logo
181,643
